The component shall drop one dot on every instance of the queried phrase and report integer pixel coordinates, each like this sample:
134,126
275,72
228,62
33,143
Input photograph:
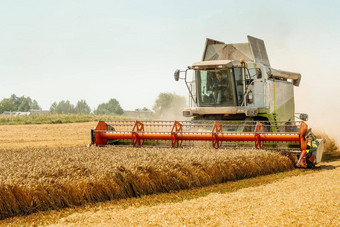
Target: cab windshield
217,88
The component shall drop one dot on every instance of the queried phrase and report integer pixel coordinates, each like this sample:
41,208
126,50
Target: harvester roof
215,64
254,51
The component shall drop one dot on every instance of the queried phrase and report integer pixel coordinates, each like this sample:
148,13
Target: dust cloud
173,113
317,94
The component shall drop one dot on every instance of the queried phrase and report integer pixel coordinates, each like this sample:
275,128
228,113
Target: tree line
18,104
163,104
65,107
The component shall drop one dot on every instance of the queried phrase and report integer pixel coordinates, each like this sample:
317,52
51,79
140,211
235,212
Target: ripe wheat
35,179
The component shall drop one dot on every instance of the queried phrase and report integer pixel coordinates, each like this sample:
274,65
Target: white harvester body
254,90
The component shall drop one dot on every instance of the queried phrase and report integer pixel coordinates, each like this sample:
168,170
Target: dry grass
50,178
56,118
51,216
311,199
45,135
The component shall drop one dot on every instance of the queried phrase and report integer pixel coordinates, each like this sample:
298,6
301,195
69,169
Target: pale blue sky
128,50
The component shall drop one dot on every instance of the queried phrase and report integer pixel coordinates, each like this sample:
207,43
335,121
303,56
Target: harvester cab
236,82
236,100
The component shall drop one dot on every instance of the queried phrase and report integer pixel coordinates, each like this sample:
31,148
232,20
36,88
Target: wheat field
310,199
47,167
45,135
35,179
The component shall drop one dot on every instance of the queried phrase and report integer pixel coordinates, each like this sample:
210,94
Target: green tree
82,107
169,106
53,107
15,103
35,105
111,107
63,107
24,104
7,105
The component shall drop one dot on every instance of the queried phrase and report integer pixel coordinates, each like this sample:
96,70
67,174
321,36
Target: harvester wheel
258,130
138,127
215,142
216,129
176,128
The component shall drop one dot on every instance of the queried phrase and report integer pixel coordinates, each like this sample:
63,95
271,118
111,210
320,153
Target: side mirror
176,74
303,117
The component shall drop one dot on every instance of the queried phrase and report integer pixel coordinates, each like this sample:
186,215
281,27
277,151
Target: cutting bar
174,132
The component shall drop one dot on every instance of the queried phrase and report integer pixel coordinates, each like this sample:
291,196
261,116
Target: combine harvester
235,98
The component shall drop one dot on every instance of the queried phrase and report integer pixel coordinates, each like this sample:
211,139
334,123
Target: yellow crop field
45,135
49,167
34,179
310,199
